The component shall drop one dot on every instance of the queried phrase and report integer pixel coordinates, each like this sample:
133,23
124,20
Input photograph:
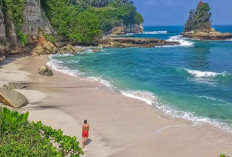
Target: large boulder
45,71
12,98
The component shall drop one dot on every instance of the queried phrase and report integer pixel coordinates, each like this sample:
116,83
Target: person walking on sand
85,133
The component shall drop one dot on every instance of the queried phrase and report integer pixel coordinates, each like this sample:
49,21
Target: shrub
18,137
21,37
49,37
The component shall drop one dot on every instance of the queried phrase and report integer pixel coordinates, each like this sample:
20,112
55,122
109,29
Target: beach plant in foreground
19,137
222,155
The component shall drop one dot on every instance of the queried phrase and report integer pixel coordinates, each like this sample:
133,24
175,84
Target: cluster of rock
134,42
46,47
211,35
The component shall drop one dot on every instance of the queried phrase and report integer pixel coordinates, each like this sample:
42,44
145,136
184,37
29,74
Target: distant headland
198,25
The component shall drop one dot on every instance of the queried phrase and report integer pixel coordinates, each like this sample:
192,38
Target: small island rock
198,25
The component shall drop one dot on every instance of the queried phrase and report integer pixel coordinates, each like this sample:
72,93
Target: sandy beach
119,126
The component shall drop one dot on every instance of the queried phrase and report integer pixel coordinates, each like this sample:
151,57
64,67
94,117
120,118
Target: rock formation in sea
134,42
198,25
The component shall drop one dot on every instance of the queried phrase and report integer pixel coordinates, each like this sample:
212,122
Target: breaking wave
181,40
156,32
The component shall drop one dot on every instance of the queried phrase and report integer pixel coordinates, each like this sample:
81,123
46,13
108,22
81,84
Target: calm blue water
191,81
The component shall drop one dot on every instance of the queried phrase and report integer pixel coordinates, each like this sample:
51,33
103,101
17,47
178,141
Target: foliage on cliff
14,11
84,20
18,137
199,19
70,22
117,13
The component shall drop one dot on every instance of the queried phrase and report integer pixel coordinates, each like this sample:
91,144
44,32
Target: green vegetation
49,37
85,20
14,10
87,29
199,19
117,12
222,155
18,137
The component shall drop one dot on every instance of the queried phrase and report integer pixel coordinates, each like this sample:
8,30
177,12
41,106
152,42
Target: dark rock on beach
45,71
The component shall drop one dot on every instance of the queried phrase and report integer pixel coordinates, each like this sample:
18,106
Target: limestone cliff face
34,20
123,29
2,27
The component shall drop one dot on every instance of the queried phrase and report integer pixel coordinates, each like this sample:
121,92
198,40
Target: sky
175,12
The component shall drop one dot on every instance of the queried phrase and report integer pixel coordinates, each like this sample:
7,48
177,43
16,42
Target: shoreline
131,127
144,96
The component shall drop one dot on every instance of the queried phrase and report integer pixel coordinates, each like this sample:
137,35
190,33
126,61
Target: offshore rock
45,71
212,35
12,98
134,42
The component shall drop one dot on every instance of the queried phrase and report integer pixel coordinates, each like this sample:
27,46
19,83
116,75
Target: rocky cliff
123,29
2,33
33,21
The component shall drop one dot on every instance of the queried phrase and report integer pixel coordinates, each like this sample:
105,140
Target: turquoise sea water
192,81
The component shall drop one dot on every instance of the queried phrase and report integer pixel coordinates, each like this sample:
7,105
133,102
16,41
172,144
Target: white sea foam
147,97
181,40
155,32
214,99
56,65
129,34
169,111
151,99
102,82
197,73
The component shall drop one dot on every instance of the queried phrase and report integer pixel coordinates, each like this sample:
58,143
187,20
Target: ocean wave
103,82
155,32
129,34
57,65
214,99
144,96
197,73
151,99
181,40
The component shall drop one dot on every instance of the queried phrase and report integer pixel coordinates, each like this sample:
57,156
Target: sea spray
181,40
